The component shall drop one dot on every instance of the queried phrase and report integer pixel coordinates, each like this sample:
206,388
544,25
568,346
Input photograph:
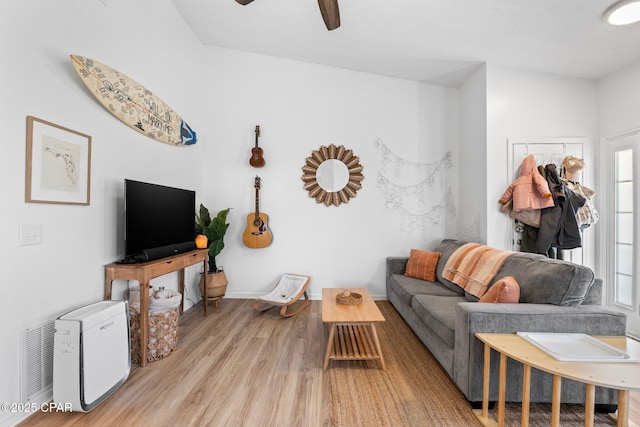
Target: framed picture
58,166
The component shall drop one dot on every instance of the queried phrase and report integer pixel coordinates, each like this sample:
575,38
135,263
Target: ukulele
257,234
256,160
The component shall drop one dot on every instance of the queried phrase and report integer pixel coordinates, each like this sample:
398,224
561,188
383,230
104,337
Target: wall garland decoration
406,186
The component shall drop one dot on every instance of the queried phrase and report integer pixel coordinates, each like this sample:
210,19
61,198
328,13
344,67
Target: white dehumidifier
91,354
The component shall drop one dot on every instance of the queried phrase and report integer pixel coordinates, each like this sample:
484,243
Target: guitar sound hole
257,223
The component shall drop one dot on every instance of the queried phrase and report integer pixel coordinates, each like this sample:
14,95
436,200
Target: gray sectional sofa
555,296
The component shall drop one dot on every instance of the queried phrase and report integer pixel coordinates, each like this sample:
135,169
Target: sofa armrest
594,295
396,265
473,317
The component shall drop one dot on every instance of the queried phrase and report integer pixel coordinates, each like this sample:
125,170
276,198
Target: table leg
181,289
108,283
589,405
502,389
376,341
623,408
332,332
205,298
203,276
555,401
526,395
144,321
485,384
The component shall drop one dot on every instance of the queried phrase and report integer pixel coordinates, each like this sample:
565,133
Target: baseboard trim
312,296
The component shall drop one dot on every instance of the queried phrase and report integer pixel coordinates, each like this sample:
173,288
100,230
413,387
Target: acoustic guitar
257,234
256,160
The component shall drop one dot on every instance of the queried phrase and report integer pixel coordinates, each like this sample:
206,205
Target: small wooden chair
287,292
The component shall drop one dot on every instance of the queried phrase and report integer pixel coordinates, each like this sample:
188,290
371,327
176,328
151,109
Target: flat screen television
159,220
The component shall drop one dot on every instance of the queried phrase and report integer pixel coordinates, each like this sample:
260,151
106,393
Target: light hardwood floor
234,368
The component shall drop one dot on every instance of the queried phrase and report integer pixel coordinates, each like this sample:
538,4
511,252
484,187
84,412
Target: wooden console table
143,273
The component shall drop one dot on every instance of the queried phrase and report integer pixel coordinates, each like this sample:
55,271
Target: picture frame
58,164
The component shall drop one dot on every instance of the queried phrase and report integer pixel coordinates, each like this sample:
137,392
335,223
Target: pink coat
530,190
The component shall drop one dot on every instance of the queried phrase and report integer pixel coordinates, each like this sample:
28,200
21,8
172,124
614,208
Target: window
624,238
622,235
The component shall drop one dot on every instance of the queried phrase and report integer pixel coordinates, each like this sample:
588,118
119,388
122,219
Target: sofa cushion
544,280
422,265
505,290
439,313
407,287
446,248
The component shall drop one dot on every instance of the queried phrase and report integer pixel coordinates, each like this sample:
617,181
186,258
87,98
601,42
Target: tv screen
158,216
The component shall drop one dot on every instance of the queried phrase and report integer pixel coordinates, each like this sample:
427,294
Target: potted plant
215,229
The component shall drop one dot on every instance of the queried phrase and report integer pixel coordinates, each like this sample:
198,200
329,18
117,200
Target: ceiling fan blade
330,13
244,2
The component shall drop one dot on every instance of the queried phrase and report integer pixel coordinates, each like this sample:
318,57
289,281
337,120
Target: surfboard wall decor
132,103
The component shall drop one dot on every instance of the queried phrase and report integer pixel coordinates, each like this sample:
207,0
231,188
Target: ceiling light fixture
624,12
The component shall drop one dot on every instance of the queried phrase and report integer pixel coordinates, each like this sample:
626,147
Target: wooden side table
143,273
621,376
352,329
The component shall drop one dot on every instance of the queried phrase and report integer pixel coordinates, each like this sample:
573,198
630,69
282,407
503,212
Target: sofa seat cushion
438,313
408,287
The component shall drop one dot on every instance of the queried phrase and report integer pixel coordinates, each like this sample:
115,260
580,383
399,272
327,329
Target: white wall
223,95
619,100
299,107
472,154
523,103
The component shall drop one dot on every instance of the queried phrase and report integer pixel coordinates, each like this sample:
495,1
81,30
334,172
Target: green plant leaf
216,247
209,233
214,229
204,219
222,215
217,229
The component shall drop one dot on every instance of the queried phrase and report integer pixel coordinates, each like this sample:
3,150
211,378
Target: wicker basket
349,298
216,284
162,337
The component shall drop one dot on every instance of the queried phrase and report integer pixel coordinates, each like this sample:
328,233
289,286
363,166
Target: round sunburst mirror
332,175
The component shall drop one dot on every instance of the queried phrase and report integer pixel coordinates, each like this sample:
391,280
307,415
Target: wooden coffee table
621,376
352,329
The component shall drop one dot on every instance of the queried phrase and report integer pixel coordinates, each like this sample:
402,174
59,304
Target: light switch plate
30,234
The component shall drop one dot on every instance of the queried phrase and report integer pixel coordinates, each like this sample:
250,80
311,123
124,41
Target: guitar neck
257,203
257,135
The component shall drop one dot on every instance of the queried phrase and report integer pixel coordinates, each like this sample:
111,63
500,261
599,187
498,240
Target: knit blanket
473,266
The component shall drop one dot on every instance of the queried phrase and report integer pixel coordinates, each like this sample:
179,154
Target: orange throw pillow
505,290
422,265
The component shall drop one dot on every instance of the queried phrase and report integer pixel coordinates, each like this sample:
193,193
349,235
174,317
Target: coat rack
546,150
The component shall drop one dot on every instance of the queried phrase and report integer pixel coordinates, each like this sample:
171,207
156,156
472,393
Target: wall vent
36,373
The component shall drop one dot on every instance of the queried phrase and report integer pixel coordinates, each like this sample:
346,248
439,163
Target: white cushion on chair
287,289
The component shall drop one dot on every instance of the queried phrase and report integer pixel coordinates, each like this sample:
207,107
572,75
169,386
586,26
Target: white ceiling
434,41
